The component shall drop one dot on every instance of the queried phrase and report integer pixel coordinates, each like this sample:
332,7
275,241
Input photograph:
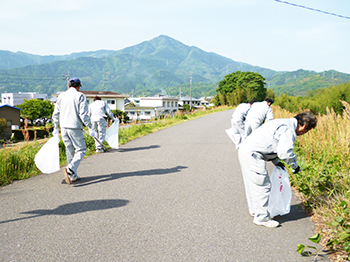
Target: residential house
14,99
114,100
12,116
151,107
205,101
189,101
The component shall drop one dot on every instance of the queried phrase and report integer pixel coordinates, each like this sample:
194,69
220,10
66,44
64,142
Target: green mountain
301,82
161,65
9,60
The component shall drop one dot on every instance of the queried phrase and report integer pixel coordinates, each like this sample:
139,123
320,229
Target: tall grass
324,183
18,164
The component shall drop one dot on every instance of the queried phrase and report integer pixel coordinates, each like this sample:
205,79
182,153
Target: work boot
67,175
74,178
269,223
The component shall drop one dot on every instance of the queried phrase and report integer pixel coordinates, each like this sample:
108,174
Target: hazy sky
263,33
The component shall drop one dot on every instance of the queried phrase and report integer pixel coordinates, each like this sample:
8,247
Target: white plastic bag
112,135
48,157
236,138
280,194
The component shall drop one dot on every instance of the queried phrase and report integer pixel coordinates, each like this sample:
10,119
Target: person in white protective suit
272,141
98,111
237,121
71,112
258,113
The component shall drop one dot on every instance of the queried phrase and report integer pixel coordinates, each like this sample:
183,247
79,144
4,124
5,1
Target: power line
313,9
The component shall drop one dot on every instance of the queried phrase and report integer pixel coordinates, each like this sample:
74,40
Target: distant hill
300,82
9,60
161,65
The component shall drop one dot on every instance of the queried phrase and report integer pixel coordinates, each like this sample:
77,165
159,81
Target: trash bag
280,194
236,138
48,157
112,135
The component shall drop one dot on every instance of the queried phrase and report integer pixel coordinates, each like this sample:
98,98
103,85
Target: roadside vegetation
324,153
324,183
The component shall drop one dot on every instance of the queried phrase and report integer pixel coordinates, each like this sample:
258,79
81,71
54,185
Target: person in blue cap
71,113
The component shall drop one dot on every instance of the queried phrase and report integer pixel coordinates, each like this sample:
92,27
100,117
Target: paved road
174,195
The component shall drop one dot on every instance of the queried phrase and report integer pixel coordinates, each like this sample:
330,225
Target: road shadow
296,212
74,208
121,150
85,181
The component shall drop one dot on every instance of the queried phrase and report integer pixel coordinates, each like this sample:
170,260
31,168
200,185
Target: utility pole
191,90
105,80
66,77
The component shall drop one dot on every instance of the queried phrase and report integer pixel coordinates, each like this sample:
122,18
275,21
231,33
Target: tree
122,116
239,87
35,108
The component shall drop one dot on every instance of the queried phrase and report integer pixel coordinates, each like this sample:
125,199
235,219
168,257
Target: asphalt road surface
174,195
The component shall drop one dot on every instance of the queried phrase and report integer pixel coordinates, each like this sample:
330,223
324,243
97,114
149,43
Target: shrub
122,116
33,133
3,125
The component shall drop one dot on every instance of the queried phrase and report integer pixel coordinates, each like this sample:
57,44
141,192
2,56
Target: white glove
55,132
92,132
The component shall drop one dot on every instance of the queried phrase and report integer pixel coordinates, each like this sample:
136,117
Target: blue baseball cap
74,80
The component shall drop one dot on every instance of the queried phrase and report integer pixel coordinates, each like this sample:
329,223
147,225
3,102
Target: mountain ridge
160,65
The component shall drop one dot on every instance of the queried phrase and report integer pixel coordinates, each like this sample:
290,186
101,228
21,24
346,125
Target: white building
151,107
188,100
14,99
140,113
205,101
114,100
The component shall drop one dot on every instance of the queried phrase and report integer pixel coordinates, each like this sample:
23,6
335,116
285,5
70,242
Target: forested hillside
160,66
301,82
9,60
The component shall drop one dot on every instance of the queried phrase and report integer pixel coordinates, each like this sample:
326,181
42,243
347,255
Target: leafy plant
301,248
342,226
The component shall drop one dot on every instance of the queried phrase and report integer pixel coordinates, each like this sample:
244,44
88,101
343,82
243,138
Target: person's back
272,138
72,108
258,113
97,110
71,112
240,113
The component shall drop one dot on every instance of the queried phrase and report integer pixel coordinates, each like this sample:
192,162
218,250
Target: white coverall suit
258,113
237,121
97,111
71,112
275,139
